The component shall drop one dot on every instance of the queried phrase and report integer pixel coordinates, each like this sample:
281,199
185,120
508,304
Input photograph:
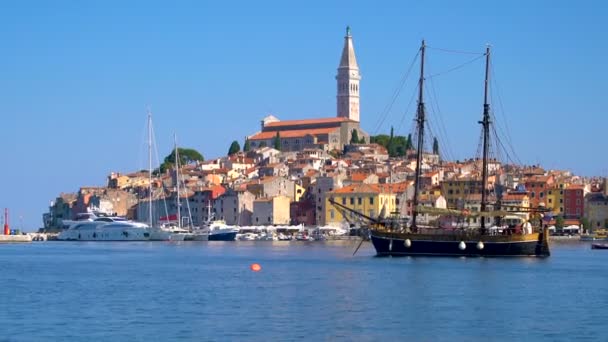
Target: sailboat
391,237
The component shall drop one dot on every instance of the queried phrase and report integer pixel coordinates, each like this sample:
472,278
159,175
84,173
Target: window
257,219
359,201
331,213
532,195
352,201
561,200
541,195
344,200
371,200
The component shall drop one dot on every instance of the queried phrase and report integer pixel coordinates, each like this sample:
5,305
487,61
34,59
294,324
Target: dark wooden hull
599,246
437,244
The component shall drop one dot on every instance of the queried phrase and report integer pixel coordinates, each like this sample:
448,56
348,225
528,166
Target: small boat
599,246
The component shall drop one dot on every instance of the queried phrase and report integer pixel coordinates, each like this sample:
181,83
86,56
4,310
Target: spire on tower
348,59
348,81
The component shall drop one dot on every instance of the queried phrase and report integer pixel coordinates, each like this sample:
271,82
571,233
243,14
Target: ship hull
224,236
396,244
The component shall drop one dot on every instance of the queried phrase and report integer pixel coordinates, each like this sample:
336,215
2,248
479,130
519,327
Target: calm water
306,291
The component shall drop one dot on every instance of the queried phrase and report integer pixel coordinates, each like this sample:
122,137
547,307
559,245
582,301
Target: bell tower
348,81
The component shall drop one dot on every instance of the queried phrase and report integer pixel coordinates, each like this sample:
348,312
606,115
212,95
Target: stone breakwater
15,238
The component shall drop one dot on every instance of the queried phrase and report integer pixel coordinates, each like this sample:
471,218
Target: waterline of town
193,291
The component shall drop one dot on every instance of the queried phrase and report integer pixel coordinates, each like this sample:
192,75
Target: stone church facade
326,133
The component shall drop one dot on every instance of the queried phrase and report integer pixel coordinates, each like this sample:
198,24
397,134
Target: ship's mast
420,128
150,167
486,142
179,216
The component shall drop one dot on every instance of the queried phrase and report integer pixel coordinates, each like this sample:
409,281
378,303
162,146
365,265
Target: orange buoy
255,267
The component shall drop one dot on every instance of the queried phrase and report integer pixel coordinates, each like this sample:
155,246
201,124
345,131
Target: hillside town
289,170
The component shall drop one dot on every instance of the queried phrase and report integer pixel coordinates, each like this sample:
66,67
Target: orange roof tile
306,122
293,133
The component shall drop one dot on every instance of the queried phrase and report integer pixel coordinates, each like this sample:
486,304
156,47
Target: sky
77,78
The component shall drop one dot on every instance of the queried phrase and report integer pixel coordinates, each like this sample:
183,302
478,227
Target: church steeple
348,81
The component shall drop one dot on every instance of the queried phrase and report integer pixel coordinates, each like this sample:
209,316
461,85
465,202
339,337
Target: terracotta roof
373,188
358,188
306,122
292,133
575,187
359,176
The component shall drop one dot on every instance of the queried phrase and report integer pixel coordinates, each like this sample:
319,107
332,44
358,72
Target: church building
326,133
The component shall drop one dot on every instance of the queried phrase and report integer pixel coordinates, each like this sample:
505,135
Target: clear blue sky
76,78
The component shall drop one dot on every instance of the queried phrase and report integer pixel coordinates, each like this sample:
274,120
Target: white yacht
107,229
218,230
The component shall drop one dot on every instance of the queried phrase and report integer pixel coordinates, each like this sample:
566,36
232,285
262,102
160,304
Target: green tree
234,148
277,142
354,138
186,156
435,146
559,223
409,144
246,145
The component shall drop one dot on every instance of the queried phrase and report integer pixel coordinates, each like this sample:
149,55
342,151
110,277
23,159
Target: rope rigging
395,95
456,51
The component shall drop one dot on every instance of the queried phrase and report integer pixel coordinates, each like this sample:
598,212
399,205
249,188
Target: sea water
200,291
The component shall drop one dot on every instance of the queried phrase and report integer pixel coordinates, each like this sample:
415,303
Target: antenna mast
420,128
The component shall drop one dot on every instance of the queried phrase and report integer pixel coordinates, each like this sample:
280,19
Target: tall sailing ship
398,237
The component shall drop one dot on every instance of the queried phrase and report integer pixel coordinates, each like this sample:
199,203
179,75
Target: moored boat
599,246
398,236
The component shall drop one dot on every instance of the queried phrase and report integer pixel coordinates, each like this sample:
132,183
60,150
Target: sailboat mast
420,128
150,168
179,218
486,141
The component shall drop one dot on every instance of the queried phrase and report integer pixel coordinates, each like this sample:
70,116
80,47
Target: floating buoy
407,243
462,246
480,245
255,267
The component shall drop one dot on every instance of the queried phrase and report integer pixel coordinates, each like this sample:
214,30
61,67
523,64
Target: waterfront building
235,206
596,209
373,200
272,186
326,133
574,201
271,211
537,187
59,210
